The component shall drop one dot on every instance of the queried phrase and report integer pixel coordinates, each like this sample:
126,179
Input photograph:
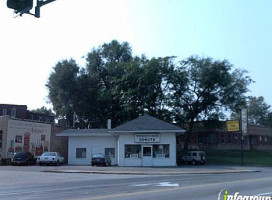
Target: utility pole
41,3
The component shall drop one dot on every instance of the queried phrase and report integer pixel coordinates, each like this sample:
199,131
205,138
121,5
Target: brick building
21,112
209,135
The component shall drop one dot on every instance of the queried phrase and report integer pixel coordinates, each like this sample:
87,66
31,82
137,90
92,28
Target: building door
147,156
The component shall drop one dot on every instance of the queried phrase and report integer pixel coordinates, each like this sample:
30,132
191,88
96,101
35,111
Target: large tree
115,85
204,88
62,88
259,112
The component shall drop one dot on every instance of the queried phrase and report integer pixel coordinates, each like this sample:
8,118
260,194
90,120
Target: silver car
194,157
50,158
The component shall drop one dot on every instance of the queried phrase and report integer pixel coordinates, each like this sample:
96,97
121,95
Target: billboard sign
233,126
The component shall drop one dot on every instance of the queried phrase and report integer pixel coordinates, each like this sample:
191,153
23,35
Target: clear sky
237,30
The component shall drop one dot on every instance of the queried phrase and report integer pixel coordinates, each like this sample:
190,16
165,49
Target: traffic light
20,5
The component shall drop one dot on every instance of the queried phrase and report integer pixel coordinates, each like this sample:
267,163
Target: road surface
21,183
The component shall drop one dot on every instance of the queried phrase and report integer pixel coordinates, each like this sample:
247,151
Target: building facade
209,135
19,135
145,141
21,112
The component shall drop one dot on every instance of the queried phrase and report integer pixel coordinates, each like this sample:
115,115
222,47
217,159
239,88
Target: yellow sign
233,126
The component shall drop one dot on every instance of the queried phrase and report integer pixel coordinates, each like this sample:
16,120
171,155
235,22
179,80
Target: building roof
147,124
85,132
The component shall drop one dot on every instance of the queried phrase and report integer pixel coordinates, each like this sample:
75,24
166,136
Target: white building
145,141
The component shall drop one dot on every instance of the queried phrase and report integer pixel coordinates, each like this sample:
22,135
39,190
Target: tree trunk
188,136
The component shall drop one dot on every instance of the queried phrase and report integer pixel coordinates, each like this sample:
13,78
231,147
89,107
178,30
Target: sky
237,30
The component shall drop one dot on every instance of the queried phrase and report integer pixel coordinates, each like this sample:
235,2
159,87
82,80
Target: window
222,138
161,151
4,112
230,138
110,152
132,151
13,113
80,152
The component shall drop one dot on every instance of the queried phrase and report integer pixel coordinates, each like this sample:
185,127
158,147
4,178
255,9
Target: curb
152,173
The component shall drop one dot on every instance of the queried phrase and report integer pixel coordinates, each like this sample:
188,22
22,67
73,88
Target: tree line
114,84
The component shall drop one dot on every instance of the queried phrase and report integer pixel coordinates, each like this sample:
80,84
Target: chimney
109,124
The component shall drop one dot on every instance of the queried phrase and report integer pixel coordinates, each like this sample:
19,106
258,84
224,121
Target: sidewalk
153,170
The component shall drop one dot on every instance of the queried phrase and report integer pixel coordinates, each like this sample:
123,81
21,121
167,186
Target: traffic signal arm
24,6
20,6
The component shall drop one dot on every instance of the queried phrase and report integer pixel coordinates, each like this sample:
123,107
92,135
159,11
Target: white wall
27,136
93,145
128,138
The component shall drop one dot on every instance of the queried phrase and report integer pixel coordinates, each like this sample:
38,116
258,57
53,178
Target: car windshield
49,154
99,156
20,155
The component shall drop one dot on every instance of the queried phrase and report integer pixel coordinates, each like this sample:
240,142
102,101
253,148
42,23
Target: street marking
141,185
170,189
167,184
264,194
163,184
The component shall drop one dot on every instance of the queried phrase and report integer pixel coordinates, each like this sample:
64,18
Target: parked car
23,158
100,159
194,157
50,158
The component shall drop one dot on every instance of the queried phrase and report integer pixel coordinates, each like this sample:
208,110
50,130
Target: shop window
110,152
80,152
132,151
161,151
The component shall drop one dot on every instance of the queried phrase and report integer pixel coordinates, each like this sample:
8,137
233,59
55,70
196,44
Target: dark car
100,159
23,158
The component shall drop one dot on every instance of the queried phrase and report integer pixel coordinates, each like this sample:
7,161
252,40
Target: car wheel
193,162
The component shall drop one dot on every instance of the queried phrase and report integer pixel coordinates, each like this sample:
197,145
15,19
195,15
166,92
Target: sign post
243,120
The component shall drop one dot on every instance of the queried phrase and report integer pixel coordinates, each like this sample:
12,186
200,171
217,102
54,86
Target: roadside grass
251,158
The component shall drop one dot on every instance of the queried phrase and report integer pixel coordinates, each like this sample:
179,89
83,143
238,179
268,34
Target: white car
50,158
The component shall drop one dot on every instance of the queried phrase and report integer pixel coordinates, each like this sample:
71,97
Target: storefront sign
147,138
233,126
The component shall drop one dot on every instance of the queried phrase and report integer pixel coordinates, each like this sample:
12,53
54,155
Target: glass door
147,156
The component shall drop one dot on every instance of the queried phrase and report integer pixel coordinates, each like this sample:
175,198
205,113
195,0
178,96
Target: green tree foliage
62,86
116,85
43,110
259,112
206,88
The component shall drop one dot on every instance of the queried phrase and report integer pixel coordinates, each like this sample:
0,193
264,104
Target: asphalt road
21,183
